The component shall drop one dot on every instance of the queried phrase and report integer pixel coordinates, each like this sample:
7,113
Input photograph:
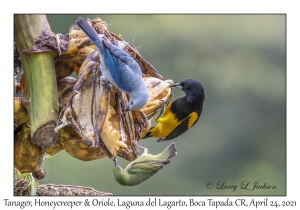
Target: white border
154,6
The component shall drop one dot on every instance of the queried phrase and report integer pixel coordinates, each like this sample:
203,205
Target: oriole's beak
176,85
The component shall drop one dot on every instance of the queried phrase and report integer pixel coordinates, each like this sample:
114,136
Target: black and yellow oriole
181,114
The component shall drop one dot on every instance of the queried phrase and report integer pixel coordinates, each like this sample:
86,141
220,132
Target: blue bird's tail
88,30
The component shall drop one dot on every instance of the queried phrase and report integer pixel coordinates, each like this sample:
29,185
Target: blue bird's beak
177,85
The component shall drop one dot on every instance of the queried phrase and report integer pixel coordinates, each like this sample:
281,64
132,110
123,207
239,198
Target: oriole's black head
193,89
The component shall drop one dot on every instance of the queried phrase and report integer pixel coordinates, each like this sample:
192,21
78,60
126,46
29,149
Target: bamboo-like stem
41,85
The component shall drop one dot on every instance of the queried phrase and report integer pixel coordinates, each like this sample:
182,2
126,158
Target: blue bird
119,68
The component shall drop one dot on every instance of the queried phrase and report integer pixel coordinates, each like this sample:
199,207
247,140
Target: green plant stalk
33,184
41,88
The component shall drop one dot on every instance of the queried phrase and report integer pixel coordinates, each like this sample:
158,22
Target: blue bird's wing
116,70
123,68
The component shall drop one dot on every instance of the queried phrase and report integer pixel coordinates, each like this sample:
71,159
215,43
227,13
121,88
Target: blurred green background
241,135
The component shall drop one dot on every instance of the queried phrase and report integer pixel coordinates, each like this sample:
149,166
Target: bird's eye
131,102
186,87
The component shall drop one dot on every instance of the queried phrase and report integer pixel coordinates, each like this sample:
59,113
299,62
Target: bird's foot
106,83
144,148
161,139
161,109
